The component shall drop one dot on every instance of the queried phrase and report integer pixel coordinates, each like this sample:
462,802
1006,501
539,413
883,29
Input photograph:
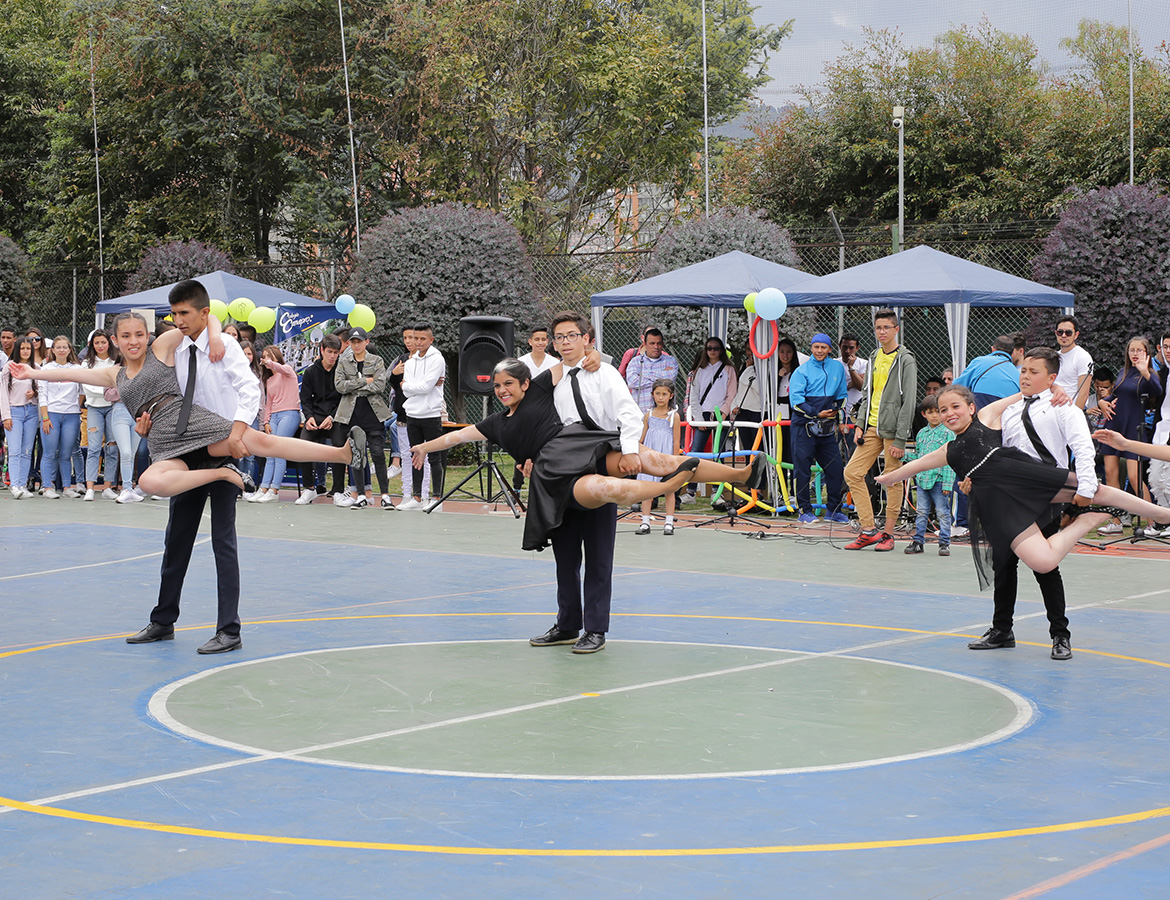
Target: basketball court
770,717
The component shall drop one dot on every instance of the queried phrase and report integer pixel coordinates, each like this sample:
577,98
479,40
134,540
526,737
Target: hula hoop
752,339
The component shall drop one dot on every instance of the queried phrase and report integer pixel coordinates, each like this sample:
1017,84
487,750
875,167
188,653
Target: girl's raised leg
593,491
1111,496
169,477
655,463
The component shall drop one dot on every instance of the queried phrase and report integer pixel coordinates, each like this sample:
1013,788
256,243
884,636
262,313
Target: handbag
111,394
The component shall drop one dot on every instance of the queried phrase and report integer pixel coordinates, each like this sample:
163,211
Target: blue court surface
770,718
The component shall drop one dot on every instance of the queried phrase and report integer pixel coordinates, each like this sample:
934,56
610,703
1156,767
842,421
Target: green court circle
502,709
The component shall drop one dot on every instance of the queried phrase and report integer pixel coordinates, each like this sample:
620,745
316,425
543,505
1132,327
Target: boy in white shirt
423,375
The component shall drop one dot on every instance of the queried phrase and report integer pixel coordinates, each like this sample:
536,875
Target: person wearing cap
817,391
360,378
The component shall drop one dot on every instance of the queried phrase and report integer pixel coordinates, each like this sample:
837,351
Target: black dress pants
1006,567
593,531
182,528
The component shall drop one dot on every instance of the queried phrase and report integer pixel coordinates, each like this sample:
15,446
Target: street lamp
899,123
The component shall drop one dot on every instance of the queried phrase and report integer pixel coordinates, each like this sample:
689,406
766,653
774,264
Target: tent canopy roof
722,281
221,286
923,276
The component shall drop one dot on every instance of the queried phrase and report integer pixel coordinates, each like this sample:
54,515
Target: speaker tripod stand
486,469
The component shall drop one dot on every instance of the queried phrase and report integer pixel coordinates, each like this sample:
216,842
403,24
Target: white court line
262,757
294,755
107,562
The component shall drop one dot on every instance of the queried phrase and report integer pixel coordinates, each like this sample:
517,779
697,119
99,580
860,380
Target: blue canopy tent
719,285
294,312
923,276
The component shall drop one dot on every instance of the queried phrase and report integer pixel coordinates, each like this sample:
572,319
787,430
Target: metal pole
706,127
1130,33
75,307
840,267
357,230
899,123
98,181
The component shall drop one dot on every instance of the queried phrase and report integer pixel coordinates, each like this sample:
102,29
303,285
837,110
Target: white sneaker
140,492
71,494
409,503
50,494
306,498
433,507
1111,528
360,502
157,497
343,500
17,493
387,503
269,496
129,496
110,494
1154,531
960,531
394,471
89,495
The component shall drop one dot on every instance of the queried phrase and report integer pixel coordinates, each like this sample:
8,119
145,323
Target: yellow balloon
241,308
262,319
749,302
219,310
362,317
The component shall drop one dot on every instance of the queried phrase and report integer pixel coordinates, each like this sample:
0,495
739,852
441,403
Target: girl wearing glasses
711,384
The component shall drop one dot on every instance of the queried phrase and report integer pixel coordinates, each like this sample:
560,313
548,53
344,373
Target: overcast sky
822,27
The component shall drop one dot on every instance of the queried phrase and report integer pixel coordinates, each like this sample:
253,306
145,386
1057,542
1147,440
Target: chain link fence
64,300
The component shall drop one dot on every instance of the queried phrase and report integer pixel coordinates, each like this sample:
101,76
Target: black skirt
1010,492
575,452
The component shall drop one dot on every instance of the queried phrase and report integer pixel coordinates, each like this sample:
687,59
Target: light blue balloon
771,304
345,304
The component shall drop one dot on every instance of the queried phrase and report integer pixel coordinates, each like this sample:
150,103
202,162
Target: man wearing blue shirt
817,392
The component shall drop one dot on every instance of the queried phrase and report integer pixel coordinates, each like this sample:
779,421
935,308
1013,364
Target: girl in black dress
1009,490
588,473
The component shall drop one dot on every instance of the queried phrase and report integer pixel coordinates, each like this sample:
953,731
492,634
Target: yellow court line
138,824
486,614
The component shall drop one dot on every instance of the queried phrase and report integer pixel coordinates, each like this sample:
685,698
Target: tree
176,261
15,287
1111,249
438,264
698,240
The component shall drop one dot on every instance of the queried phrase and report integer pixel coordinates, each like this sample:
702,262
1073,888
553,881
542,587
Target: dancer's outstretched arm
1125,445
81,375
468,435
933,460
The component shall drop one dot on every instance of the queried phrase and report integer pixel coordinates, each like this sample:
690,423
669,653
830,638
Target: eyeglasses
713,347
567,338
1065,332
35,340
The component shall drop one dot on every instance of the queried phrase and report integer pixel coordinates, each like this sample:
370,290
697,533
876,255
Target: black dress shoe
151,633
221,643
994,639
591,642
1061,649
552,637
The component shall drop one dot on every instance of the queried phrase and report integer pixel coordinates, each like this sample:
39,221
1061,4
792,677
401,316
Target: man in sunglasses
1076,365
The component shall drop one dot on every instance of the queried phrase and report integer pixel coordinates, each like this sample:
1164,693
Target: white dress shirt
229,387
608,401
420,384
59,396
1059,428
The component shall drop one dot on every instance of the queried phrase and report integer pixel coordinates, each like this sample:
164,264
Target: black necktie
1045,454
586,419
189,394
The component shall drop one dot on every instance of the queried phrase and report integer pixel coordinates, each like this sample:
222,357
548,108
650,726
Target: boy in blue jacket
817,392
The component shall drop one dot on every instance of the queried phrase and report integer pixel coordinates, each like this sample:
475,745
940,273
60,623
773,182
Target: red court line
1091,869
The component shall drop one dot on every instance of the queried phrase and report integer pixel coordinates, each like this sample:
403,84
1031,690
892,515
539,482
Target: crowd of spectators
845,415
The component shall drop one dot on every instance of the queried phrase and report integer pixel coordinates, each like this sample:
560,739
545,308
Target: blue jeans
59,446
20,443
285,423
940,501
127,439
100,431
827,452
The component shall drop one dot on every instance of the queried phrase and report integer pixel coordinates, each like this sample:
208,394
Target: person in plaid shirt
648,367
934,485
